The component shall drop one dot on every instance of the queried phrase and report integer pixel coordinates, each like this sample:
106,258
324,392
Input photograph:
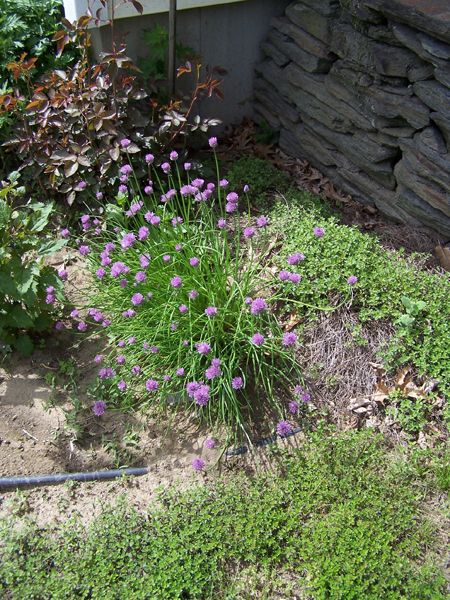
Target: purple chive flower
65,233
75,313
136,370
149,158
232,197
155,220
295,277
211,311
121,359
84,250
131,340
187,166
221,223
144,261
154,349
191,388
258,339
248,300
198,183
201,395
100,273
230,208
249,232
173,155
50,299
183,308
173,326
59,325
166,167
194,261
166,258
237,383
293,407
128,240
121,343
176,221
203,348
352,280
122,385
262,221
289,338
125,142
193,294
179,372
99,408
284,428
98,359
246,189
284,275
212,142
123,283
186,343
143,233
123,189
210,443
257,306
319,232
137,299
179,247
295,258
305,397
85,219
223,183
140,277
110,247
148,190
82,326
99,195
151,385
176,281
123,179
167,378
81,185
126,169
198,464
106,373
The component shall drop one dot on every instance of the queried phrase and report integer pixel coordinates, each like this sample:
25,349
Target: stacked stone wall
361,89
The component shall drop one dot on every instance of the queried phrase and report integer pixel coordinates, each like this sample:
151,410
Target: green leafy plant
29,288
259,175
154,66
409,413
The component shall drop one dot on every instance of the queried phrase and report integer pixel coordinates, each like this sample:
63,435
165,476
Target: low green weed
341,518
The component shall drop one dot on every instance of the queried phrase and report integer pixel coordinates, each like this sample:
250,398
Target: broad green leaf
51,246
40,220
24,344
20,317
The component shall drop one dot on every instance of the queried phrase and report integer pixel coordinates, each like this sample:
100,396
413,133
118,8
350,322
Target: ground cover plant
386,285
340,518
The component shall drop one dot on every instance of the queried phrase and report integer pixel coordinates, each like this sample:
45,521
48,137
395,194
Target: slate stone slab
309,62
328,8
443,124
357,48
273,101
310,20
418,208
434,95
430,16
273,52
301,37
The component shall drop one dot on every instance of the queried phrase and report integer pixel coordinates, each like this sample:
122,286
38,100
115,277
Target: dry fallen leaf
443,254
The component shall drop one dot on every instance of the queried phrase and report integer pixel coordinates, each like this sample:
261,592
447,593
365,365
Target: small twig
29,435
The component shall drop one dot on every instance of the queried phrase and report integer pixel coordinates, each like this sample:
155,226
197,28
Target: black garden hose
7,483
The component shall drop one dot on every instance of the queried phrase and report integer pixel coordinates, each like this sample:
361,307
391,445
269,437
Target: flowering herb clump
175,270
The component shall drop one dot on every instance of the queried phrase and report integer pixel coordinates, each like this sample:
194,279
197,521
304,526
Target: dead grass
336,354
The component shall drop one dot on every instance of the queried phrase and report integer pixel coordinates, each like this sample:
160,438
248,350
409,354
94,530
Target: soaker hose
7,483
262,442
19,482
